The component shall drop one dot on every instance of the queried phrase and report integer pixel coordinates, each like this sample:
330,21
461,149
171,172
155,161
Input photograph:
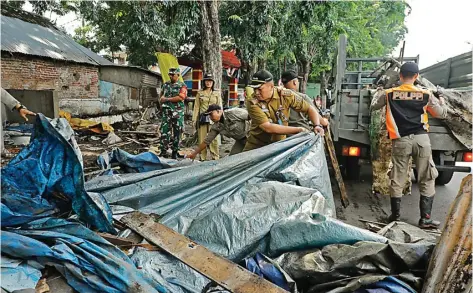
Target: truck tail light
351,151
467,157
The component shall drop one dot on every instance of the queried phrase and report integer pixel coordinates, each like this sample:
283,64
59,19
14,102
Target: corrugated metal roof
23,37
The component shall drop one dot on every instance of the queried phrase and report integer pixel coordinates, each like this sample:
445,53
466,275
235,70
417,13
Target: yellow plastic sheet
84,124
166,61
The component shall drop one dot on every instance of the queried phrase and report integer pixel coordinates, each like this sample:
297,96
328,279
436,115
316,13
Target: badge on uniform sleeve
183,91
263,107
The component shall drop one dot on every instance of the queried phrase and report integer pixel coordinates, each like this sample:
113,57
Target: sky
437,29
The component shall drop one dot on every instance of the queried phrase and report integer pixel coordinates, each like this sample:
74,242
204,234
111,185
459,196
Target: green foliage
143,27
85,35
42,6
263,32
307,31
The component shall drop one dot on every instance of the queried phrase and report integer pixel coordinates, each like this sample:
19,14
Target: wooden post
196,80
233,92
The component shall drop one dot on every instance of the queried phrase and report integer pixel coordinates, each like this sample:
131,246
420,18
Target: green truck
349,101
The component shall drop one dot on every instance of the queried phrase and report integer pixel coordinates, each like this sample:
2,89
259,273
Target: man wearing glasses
172,99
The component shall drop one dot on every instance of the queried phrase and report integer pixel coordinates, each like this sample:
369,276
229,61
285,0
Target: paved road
367,206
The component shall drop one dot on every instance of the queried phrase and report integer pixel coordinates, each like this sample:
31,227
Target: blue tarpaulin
143,162
89,263
271,200
47,177
263,267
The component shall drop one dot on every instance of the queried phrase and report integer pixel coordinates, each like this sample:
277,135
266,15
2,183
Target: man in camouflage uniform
172,99
233,123
268,108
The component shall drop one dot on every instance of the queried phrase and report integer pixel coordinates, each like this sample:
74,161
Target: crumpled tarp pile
340,266
273,200
46,180
86,125
143,162
47,177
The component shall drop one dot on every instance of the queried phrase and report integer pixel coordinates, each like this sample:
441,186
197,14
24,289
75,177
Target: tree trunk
251,70
211,51
305,70
323,87
261,64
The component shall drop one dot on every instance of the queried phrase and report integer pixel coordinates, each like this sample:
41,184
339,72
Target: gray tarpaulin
271,200
337,265
298,160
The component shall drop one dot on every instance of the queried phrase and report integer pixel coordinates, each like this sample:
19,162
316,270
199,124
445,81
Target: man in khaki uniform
298,119
10,103
407,125
268,109
233,123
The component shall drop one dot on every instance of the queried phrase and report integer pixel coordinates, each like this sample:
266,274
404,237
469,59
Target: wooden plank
118,241
138,132
220,270
336,168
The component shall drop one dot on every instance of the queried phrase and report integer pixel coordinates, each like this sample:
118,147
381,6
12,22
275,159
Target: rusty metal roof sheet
27,38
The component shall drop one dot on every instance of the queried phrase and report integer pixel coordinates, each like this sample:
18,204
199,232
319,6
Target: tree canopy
266,34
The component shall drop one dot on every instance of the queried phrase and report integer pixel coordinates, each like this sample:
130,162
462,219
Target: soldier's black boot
395,209
425,205
176,155
163,154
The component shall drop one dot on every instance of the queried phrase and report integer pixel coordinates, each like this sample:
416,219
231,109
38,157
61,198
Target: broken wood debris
139,132
118,241
218,269
135,141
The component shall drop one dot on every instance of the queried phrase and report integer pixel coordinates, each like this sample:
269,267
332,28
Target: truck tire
445,176
352,168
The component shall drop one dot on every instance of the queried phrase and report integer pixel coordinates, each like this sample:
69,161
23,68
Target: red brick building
43,67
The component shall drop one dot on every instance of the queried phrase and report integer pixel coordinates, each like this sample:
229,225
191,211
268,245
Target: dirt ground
376,208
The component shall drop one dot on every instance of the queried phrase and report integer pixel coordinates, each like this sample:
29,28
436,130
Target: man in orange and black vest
407,126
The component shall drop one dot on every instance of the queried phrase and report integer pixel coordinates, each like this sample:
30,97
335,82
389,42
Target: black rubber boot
176,155
395,209
425,206
164,154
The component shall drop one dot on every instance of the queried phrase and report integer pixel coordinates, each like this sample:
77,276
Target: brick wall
70,80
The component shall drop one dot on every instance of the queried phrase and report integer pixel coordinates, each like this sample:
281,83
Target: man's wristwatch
318,126
20,107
